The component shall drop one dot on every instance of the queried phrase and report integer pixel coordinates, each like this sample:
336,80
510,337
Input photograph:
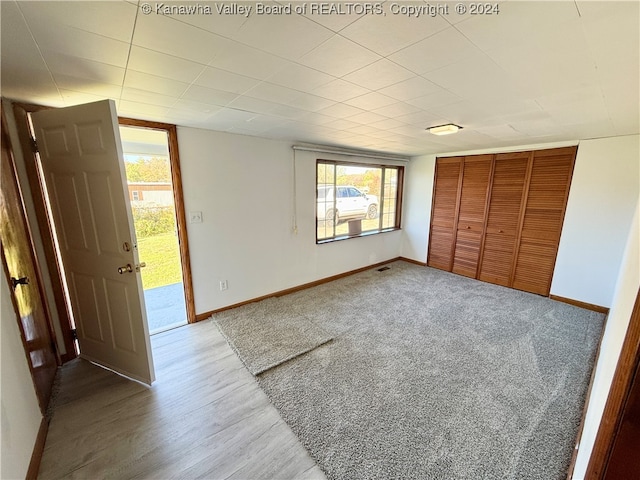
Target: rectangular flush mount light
447,129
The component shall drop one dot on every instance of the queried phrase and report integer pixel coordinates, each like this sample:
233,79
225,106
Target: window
355,199
136,195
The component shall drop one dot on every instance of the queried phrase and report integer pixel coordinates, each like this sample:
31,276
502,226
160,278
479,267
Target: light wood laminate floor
204,417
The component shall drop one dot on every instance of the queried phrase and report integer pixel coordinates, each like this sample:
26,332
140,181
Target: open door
82,167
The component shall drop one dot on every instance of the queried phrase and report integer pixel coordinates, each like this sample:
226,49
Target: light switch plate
195,217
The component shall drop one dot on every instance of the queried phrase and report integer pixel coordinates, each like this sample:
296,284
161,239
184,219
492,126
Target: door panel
543,217
444,212
503,217
83,169
471,219
19,262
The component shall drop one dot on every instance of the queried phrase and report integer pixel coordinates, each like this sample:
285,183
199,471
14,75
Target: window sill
363,234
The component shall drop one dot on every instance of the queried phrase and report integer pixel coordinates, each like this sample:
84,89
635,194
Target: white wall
418,187
19,411
602,200
244,188
625,291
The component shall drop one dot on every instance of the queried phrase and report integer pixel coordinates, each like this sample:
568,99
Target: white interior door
83,168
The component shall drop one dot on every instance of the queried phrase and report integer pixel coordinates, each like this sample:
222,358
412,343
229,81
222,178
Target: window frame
381,198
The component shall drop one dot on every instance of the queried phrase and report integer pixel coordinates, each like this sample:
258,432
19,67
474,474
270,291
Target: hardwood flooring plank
204,417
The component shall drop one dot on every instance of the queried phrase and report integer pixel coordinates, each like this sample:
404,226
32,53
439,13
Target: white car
347,202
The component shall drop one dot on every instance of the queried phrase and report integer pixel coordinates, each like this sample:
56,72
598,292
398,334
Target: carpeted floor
435,376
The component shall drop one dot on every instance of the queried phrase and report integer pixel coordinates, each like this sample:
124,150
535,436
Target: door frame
610,423
42,396
23,124
178,199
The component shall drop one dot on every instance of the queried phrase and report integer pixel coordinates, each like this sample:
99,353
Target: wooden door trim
21,111
178,199
43,396
618,393
523,210
487,202
573,151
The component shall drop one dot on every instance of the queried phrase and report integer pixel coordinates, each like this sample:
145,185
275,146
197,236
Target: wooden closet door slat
444,212
503,217
471,217
546,203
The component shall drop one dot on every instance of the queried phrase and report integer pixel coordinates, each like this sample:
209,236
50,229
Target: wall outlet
195,217
224,285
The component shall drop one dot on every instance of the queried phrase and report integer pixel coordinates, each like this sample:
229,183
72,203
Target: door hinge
74,333
34,146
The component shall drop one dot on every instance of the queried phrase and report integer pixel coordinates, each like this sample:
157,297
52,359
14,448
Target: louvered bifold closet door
471,217
503,218
444,212
549,184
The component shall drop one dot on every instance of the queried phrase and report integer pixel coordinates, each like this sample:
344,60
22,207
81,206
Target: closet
498,217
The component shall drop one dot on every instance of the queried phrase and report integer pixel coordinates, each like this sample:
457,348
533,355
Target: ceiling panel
339,56
536,72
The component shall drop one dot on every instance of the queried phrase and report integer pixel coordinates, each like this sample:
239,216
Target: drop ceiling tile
411,88
225,81
429,54
420,119
17,42
243,60
342,124
81,85
371,101
339,90
166,35
387,124
274,33
185,107
342,110
379,75
108,19
366,118
288,112
208,96
434,100
334,22
144,96
76,98
386,34
163,65
273,93
518,22
152,83
312,103
487,78
317,118
300,77
339,56
224,24
139,110
77,43
396,109
252,105
64,65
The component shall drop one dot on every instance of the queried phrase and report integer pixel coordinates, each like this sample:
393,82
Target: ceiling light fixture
447,129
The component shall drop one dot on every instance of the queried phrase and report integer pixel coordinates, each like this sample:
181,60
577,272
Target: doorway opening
151,195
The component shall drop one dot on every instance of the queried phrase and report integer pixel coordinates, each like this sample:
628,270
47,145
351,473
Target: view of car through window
347,193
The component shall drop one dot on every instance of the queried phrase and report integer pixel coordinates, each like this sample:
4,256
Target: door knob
19,281
126,269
